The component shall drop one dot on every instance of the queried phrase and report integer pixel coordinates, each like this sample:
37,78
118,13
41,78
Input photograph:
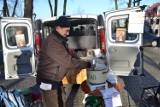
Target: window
17,36
119,30
83,30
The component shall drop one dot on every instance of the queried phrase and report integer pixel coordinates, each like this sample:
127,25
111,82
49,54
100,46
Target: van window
83,30
83,33
17,36
47,30
119,30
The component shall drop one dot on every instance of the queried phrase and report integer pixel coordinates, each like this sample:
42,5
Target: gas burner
93,87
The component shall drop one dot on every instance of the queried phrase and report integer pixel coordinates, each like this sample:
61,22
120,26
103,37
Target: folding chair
151,96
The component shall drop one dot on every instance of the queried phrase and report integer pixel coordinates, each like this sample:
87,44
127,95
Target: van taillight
102,40
38,42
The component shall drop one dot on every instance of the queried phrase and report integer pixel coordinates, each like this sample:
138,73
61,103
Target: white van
124,53
87,33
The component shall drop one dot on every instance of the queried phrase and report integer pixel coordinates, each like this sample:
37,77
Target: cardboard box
20,40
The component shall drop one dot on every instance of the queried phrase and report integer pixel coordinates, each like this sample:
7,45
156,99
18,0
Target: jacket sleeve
58,52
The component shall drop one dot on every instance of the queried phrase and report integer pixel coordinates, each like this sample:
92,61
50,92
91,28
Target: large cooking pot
97,75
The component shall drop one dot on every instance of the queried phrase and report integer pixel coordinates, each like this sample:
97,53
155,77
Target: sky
81,6
41,7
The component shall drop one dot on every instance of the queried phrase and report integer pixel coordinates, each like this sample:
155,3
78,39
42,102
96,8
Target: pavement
132,86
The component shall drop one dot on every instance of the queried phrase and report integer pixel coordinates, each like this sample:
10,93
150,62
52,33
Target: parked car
149,38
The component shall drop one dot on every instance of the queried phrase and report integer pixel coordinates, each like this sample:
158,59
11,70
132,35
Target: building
153,17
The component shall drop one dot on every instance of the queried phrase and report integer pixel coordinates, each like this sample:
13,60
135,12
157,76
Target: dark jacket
54,59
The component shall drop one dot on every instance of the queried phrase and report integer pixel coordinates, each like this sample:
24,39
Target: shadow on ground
134,85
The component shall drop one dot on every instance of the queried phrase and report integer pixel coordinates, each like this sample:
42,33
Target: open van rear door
124,55
18,48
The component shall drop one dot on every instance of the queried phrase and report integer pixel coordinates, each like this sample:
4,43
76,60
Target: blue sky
80,6
41,7
75,7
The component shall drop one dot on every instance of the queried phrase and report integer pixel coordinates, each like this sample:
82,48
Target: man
54,63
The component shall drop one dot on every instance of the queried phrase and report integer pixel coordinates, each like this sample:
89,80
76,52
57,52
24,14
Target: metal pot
98,75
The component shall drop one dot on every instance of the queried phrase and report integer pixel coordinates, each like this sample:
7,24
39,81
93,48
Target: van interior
83,36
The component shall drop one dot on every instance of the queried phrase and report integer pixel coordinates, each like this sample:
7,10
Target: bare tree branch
116,4
50,6
55,7
5,9
64,7
129,3
14,9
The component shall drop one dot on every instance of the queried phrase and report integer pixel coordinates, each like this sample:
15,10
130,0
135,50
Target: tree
50,5
64,7
116,4
55,7
137,1
14,9
129,3
5,9
28,8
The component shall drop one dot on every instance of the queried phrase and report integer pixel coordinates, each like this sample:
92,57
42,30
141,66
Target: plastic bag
111,77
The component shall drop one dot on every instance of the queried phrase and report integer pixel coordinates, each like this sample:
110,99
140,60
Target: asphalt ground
132,86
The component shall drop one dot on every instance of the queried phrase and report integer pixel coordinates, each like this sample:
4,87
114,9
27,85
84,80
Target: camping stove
92,87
